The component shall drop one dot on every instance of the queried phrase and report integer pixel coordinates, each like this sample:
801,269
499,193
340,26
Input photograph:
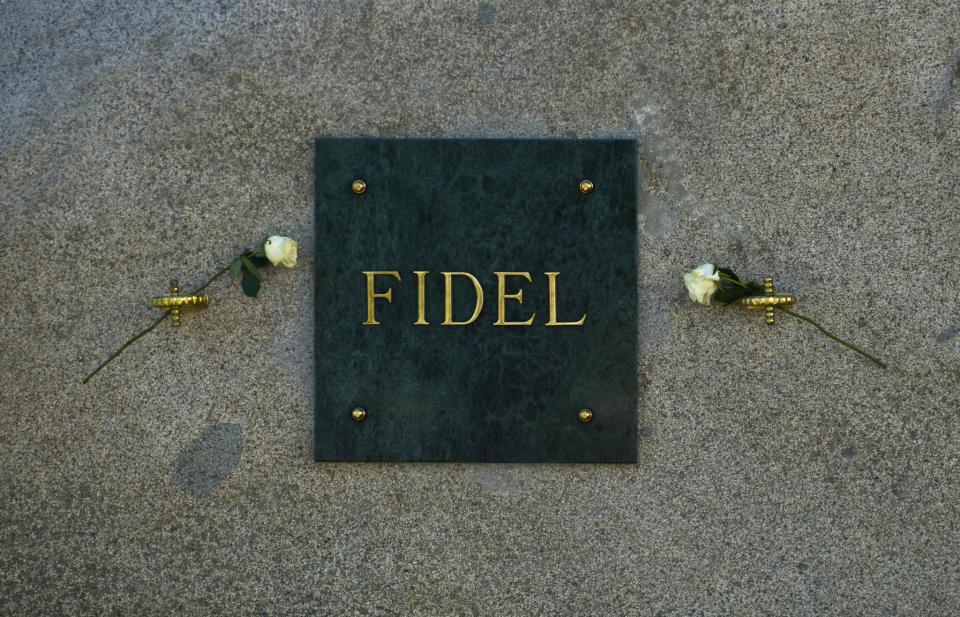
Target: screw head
586,186
358,414
358,187
585,415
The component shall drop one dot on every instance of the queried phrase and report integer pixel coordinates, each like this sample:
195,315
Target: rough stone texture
778,474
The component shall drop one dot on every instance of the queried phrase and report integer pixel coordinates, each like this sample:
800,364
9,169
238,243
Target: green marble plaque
483,392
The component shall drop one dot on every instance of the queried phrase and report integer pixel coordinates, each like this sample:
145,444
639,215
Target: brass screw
585,415
586,186
359,187
358,414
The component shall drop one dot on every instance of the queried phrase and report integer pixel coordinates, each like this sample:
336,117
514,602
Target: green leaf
250,284
260,261
729,272
235,269
731,292
726,295
249,267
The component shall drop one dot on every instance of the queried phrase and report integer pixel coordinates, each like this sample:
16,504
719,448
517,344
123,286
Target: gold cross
768,300
175,302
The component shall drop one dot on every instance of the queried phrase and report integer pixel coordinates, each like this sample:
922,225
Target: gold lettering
421,295
552,281
502,297
372,295
448,299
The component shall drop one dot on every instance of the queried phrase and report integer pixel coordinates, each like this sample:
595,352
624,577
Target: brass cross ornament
769,300
174,303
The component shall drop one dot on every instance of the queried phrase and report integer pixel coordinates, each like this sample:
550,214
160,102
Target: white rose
280,250
702,283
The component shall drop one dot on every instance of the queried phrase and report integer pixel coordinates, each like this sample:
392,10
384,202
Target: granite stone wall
817,142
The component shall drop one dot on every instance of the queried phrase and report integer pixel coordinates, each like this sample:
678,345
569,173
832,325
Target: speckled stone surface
778,473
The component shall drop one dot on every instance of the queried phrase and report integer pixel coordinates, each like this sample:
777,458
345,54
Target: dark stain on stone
848,452
646,431
949,333
203,465
946,91
485,13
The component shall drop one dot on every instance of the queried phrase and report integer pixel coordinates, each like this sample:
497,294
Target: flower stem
873,359
154,324
125,345
212,279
